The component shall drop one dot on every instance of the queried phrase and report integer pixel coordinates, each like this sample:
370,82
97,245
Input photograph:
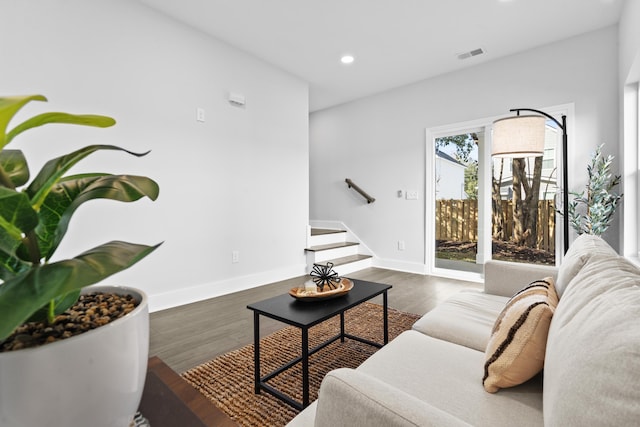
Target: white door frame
484,188
484,126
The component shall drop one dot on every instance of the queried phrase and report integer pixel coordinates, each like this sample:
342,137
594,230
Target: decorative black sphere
324,275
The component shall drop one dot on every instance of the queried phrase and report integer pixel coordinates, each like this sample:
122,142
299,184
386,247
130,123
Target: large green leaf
10,266
65,118
15,166
68,194
23,295
9,106
55,169
16,219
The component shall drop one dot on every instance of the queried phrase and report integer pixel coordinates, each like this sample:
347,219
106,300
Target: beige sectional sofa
433,375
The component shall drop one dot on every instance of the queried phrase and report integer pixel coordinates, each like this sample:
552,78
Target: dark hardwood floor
186,336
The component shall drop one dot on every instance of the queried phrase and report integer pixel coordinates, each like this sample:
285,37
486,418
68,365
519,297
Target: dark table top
287,309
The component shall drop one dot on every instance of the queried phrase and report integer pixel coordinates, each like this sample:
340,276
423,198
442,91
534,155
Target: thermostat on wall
236,98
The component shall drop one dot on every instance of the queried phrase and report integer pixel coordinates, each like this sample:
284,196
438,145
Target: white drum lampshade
519,136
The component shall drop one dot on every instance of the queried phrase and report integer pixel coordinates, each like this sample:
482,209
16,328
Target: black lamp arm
560,125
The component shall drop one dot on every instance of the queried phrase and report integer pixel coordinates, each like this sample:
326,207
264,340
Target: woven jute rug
227,380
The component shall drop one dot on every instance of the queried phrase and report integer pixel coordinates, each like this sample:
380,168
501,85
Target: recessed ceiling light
347,59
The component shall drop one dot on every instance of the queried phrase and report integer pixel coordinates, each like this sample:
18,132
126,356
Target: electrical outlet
401,245
411,194
235,257
200,114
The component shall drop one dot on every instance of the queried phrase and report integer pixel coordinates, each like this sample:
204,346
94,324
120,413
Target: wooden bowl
301,294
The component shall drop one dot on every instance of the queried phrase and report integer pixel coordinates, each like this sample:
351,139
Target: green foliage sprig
591,211
34,218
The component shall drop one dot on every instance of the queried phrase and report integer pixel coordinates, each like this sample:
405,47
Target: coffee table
304,315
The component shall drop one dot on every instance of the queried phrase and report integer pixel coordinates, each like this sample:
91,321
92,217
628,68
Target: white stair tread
329,246
345,260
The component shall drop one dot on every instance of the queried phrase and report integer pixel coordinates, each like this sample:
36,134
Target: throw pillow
515,352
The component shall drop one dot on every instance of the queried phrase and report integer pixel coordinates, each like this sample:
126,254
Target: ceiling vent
474,52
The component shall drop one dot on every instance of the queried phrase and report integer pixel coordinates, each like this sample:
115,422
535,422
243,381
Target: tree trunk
496,205
519,221
533,196
525,202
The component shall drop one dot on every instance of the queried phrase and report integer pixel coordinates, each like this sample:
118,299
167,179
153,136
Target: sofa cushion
581,250
592,365
515,352
466,319
352,398
445,375
306,418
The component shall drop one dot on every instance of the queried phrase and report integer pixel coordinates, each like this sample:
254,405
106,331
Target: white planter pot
92,379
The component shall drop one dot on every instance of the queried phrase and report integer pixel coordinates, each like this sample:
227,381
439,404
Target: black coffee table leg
385,316
256,350
305,367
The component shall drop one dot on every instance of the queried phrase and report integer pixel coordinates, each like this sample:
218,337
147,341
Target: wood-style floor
186,336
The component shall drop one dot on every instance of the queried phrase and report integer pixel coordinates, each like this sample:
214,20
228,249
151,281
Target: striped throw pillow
515,351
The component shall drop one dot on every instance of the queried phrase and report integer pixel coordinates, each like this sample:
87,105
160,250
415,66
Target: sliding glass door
479,208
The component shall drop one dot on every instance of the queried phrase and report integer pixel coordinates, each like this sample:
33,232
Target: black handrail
359,190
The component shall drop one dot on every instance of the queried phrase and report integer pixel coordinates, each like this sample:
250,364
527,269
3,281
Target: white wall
379,141
239,181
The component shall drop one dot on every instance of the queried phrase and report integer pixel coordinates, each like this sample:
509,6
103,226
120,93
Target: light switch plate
200,114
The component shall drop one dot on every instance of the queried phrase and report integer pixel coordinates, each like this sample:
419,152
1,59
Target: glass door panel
456,201
523,204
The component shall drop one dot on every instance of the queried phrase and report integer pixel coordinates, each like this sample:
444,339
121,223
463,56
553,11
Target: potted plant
591,210
93,378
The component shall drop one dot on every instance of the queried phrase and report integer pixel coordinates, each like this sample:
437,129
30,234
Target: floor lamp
523,136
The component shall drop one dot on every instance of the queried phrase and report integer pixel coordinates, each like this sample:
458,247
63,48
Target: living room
248,179
263,171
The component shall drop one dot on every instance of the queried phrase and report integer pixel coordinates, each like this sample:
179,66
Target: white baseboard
404,266
458,275
215,289
417,268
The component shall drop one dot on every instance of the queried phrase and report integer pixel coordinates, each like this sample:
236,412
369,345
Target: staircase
331,245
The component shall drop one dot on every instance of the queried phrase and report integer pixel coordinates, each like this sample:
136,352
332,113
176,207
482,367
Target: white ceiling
395,42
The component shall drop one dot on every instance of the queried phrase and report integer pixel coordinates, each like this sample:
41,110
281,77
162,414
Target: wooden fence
457,220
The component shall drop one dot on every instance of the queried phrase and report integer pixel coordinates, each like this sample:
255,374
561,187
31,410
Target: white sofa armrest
506,278
352,398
